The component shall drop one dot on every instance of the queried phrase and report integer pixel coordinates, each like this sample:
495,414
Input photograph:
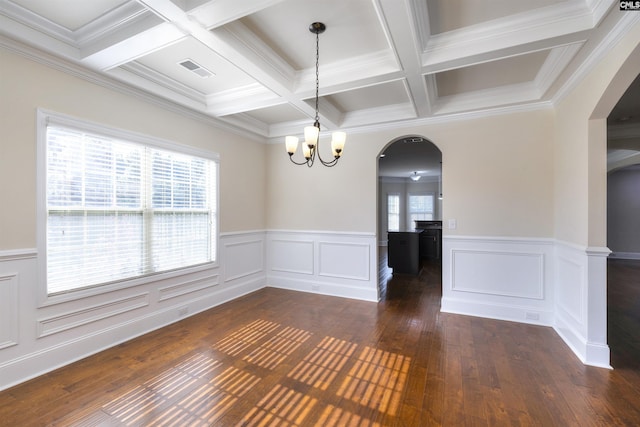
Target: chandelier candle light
312,133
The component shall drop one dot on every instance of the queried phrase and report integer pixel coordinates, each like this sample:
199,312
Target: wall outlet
183,311
315,287
532,316
453,224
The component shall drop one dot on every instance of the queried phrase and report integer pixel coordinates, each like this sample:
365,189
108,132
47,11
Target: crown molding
165,85
108,82
441,119
558,59
246,98
618,30
559,25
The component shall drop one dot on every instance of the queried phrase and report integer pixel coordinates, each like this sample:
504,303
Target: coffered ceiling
251,63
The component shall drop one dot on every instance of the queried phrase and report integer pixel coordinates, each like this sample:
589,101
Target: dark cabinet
404,252
430,244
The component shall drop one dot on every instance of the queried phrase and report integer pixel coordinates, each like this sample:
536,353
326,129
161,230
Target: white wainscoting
499,278
37,338
581,301
8,310
330,263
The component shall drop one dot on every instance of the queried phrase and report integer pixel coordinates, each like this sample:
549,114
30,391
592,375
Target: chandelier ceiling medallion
310,146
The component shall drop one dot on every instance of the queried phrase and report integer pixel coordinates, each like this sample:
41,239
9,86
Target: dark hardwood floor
282,358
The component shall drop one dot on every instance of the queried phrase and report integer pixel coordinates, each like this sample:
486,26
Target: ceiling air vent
195,68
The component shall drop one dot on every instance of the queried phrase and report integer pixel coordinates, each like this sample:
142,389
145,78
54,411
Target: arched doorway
409,189
597,177
623,226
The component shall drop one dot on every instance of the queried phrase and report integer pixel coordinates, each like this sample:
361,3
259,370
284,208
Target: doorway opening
623,230
409,209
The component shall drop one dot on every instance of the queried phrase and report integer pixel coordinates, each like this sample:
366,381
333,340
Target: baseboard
335,289
591,354
40,362
512,313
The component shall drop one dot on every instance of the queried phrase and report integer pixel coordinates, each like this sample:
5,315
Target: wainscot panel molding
329,263
581,301
74,319
36,339
244,258
499,278
8,310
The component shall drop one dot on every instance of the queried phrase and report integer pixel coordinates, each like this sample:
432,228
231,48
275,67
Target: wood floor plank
277,357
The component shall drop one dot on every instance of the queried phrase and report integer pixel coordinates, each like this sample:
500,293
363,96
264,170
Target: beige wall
580,144
497,179
26,85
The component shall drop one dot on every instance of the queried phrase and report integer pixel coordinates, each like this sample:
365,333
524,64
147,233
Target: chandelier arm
325,162
297,163
309,162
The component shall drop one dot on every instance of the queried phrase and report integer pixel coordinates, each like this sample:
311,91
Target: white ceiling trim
246,98
619,26
540,29
130,48
215,14
401,29
404,111
553,66
165,85
112,83
486,98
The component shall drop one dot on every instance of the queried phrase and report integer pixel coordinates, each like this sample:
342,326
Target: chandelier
310,146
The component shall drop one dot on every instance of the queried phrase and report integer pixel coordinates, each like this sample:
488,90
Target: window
393,212
420,207
117,208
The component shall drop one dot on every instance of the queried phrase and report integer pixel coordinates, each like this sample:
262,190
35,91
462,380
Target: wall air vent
413,140
195,68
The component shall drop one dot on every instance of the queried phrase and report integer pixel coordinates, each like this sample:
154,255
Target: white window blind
118,210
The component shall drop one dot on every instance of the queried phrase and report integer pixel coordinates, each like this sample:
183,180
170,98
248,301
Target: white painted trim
17,254
74,319
581,303
9,320
35,363
511,294
290,267
71,330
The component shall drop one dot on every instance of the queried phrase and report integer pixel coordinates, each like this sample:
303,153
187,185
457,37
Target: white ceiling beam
401,33
131,48
545,28
214,14
240,47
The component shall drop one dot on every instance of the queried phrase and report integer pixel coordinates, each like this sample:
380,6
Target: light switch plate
453,224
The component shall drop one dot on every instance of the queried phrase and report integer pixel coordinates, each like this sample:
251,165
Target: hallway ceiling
382,62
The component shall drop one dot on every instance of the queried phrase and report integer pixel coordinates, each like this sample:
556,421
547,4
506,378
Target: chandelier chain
317,76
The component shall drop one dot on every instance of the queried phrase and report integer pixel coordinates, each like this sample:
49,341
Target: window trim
45,118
